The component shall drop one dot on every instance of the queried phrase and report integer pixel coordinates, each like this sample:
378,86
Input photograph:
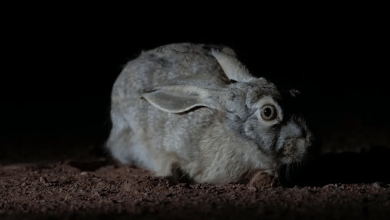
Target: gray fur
176,108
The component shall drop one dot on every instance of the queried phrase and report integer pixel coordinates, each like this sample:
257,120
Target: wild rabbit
196,109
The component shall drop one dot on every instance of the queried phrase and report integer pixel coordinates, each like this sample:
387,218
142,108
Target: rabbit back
144,135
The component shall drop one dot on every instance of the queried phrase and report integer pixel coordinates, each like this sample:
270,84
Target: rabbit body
189,107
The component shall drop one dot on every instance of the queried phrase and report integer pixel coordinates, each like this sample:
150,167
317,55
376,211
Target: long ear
181,98
233,68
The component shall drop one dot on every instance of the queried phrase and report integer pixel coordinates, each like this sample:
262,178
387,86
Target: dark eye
268,112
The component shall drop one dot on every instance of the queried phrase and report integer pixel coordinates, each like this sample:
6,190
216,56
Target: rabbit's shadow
364,167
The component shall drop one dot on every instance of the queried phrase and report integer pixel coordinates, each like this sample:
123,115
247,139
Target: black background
61,62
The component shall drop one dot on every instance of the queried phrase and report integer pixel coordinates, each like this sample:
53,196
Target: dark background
61,63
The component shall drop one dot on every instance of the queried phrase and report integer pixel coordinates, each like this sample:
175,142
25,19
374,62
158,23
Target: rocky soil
71,177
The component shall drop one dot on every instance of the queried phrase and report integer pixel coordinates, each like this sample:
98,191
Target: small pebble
376,185
252,188
43,179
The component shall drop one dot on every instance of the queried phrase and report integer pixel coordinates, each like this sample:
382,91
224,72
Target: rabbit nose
295,144
294,149
293,130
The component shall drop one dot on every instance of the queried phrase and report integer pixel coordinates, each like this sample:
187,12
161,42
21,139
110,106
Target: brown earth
70,177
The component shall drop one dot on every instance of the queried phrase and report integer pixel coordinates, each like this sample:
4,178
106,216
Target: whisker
278,171
294,166
288,172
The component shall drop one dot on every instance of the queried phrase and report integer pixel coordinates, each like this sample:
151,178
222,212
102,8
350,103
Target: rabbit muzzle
293,143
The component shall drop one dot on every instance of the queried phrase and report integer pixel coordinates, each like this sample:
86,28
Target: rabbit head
253,108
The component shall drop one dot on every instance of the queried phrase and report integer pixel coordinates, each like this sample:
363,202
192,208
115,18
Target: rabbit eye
268,112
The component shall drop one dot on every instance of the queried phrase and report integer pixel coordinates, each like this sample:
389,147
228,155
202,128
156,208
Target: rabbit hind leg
126,145
167,166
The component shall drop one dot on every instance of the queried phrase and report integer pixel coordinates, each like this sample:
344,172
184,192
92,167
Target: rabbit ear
181,98
294,92
233,68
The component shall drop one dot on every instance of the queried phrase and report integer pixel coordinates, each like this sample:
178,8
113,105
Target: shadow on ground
364,167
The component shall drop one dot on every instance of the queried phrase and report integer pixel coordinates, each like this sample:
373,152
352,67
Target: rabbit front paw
263,179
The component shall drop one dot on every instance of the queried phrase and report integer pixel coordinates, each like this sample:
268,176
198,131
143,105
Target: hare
195,108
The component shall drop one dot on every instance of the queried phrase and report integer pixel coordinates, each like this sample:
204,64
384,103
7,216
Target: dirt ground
71,177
